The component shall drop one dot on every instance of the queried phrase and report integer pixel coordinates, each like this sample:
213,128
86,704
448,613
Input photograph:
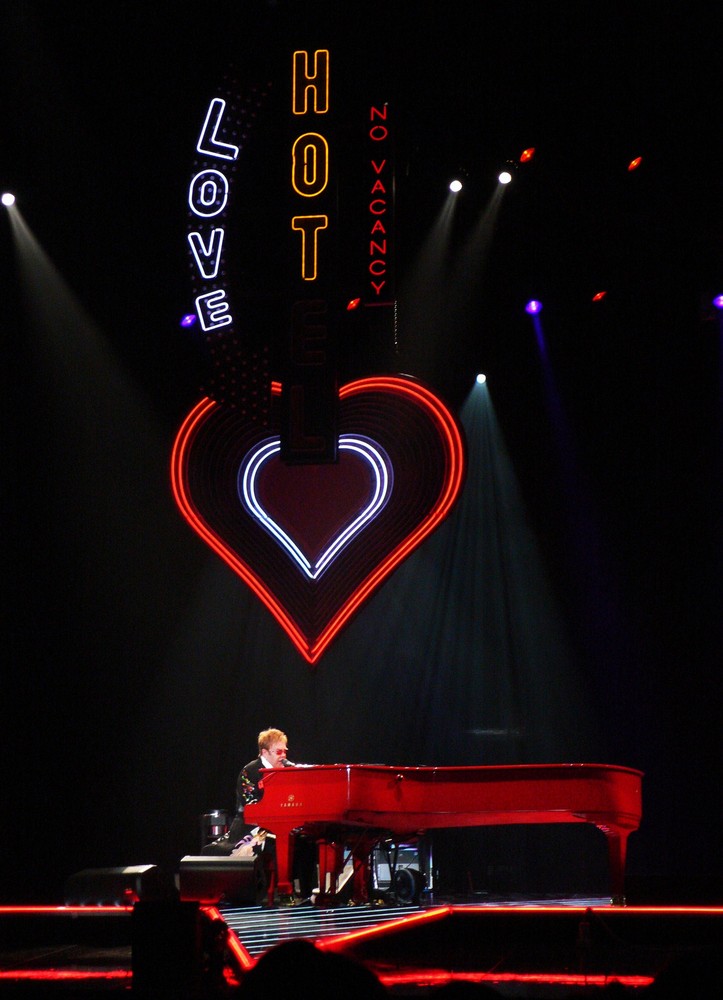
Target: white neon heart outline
369,450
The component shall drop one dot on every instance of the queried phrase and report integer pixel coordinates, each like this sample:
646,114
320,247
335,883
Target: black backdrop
138,669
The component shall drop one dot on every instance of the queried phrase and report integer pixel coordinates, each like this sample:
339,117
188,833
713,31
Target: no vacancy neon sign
314,498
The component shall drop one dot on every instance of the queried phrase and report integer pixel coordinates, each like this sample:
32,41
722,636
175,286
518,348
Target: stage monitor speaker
233,881
118,886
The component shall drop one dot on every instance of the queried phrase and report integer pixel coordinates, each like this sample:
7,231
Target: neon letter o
208,193
310,164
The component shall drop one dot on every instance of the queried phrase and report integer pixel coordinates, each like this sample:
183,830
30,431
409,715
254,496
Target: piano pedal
287,901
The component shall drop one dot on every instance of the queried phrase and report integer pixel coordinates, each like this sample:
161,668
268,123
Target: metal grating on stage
259,929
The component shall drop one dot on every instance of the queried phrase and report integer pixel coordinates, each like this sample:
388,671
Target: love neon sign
208,195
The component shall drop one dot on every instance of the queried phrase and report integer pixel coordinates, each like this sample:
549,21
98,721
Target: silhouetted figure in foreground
301,970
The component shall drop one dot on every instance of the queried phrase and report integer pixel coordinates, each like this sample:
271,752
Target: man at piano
243,839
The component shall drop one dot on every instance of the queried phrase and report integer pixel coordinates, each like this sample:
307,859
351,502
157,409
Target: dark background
138,668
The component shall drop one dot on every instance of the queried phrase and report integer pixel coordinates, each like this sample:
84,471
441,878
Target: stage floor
519,947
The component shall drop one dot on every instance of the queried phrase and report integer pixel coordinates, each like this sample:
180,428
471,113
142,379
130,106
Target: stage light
718,301
533,307
8,199
455,186
481,379
189,319
634,164
353,304
505,177
527,154
599,296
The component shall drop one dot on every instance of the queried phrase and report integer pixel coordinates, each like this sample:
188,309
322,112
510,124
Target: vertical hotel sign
309,430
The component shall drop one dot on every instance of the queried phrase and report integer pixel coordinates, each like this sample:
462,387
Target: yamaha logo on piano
291,803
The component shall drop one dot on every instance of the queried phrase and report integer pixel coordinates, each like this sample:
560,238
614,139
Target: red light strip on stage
450,435
73,911
67,975
439,977
380,930
233,944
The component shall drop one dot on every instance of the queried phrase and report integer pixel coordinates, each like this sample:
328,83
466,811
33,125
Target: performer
245,840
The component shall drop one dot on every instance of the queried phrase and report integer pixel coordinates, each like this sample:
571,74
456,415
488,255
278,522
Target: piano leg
331,865
362,853
617,849
270,874
284,861
361,879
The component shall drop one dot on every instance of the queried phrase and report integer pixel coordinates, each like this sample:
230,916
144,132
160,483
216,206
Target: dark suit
248,790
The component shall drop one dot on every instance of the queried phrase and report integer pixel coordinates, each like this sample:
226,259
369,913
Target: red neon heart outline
453,445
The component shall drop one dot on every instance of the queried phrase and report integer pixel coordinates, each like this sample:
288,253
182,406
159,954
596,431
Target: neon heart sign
382,478
400,470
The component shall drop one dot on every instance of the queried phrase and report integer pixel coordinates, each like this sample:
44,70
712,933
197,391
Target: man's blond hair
267,738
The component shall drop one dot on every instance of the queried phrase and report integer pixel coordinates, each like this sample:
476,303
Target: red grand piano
352,807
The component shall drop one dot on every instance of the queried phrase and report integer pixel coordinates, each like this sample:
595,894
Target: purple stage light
533,307
189,319
718,301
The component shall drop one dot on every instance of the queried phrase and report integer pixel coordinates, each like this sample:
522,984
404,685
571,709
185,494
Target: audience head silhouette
298,968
